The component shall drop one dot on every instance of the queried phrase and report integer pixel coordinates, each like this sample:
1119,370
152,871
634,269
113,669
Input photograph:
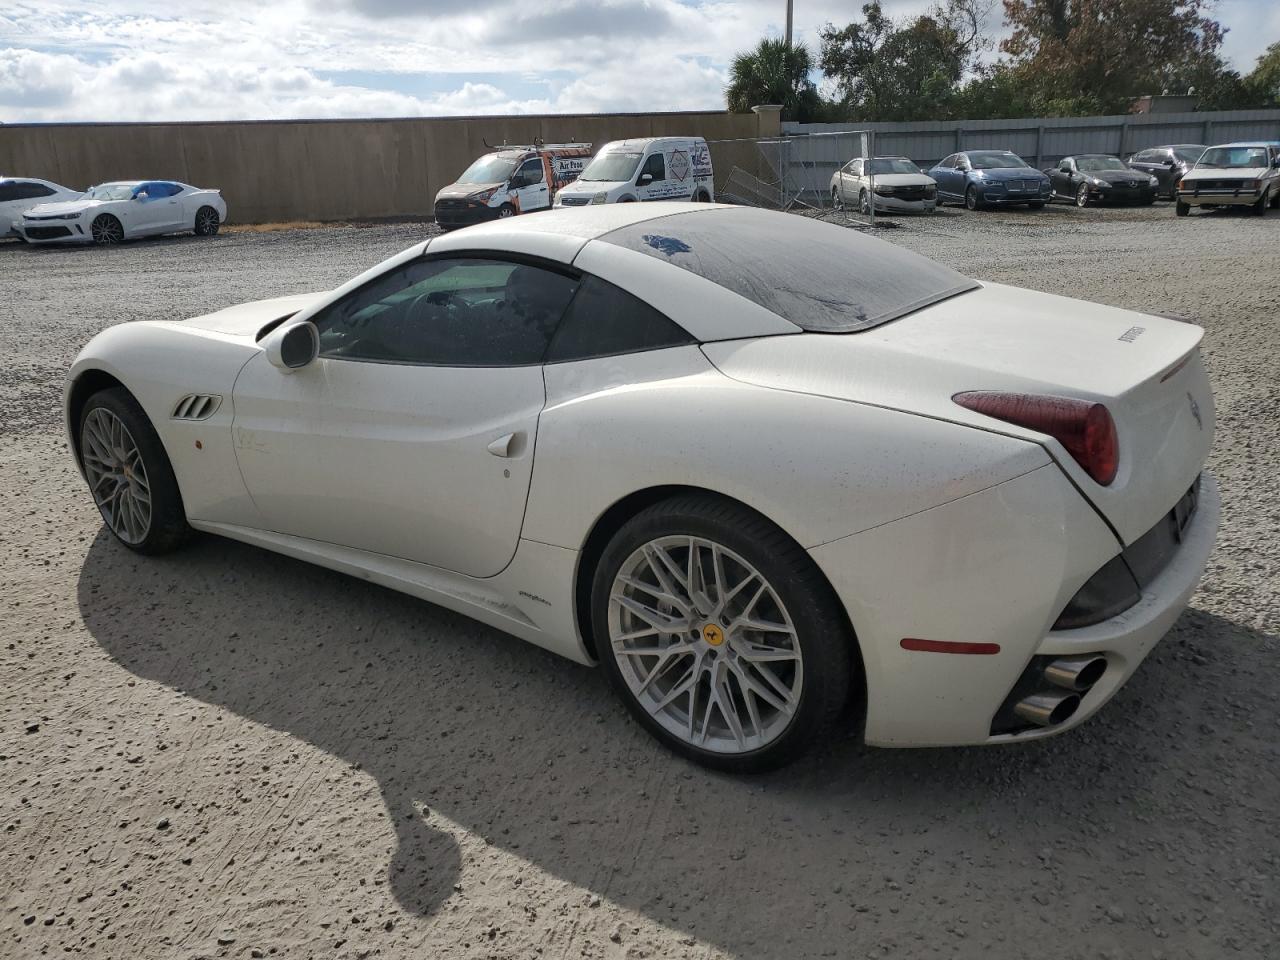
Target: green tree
1263,83
774,73
886,69
1096,56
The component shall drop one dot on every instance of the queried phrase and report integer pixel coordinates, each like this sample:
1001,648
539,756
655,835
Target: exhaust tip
1047,709
1076,674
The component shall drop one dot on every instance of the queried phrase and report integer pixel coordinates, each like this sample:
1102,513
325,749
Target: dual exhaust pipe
1072,676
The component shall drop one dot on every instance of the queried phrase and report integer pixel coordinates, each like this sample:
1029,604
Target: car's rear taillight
1086,429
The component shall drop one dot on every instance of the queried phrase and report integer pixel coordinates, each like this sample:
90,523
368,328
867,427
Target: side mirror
645,180
1168,161
292,346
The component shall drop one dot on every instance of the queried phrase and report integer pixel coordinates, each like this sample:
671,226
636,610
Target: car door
149,211
941,173
849,181
960,176
651,179
1063,178
412,434
532,193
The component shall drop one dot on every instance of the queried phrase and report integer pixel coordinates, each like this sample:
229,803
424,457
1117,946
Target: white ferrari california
772,473
115,212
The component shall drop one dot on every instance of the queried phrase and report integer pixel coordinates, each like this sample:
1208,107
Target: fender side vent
197,406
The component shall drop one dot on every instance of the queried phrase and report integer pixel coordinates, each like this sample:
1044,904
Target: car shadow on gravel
463,725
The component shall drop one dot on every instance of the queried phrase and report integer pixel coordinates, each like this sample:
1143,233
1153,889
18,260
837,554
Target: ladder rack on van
536,145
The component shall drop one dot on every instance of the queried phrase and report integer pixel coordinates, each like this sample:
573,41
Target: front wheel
1082,195
971,199
505,211
1182,209
129,474
1259,209
106,229
207,222
720,634
864,203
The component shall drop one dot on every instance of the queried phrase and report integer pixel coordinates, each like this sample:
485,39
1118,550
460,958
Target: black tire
207,222
864,203
106,230
822,633
1082,195
702,197
167,529
1275,200
836,202
1182,209
506,210
1259,209
971,199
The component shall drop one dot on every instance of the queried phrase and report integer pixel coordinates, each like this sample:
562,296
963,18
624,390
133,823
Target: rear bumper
996,567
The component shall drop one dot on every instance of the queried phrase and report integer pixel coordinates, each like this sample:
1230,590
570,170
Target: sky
108,60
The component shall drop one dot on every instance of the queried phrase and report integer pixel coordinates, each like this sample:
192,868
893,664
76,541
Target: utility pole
789,11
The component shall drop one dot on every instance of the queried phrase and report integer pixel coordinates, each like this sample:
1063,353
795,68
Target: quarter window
454,311
604,320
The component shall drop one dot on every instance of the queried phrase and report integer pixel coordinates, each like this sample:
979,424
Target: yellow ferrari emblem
713,634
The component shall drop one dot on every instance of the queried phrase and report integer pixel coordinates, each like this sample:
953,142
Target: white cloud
232,59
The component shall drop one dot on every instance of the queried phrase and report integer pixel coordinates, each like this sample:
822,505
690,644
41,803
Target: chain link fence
793,173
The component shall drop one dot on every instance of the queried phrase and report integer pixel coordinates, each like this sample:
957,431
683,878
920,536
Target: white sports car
771,473
19,193
115,212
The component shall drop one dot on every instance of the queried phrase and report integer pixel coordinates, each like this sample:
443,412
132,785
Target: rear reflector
949,646
1086,429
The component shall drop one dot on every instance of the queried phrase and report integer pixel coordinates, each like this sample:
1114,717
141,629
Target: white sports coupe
772,473
115,212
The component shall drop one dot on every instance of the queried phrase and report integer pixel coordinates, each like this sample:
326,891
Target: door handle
502,447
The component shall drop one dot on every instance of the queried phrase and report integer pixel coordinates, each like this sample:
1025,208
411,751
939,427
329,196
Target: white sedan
896,183
19,193
771,473
115,212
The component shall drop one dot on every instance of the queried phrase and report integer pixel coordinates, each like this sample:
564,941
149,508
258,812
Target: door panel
392,459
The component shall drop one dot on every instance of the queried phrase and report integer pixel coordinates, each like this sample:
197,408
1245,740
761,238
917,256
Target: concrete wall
323,169
1040,141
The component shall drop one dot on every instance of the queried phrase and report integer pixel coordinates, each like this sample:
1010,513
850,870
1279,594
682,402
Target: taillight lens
1085,429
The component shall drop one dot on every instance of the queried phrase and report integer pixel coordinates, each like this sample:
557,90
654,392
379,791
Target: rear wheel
836,202
129,474
106,229
207,222
719,633
702,197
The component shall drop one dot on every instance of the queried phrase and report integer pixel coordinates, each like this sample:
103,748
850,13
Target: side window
1064,165
454,311
604,320
37,191
655,167
855,168
169,189
531,172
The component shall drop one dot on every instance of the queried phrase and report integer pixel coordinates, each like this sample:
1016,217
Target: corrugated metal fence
1041,141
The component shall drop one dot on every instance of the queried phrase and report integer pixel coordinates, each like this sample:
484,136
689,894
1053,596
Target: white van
657,168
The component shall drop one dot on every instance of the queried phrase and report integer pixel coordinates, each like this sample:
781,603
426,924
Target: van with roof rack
655,168
510,180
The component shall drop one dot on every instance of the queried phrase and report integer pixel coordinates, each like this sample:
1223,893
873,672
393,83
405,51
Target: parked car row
512,180
1234,174
37,211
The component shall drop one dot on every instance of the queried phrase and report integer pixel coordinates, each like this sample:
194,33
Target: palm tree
774,72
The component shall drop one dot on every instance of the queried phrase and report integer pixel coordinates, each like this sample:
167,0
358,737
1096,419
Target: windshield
611,166
996,161
111,191
490,169
893,165
1188,154
1237,157
1093,164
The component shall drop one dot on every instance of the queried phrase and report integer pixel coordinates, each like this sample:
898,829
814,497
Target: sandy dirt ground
225,753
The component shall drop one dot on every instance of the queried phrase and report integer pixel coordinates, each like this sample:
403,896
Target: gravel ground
226,753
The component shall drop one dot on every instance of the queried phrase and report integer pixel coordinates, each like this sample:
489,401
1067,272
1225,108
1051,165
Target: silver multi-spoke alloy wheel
113,466
705,644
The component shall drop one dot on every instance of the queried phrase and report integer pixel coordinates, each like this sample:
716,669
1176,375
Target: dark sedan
1167,164
1097,178
986,178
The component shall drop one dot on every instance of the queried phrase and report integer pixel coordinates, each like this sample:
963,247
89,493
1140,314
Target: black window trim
524,259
